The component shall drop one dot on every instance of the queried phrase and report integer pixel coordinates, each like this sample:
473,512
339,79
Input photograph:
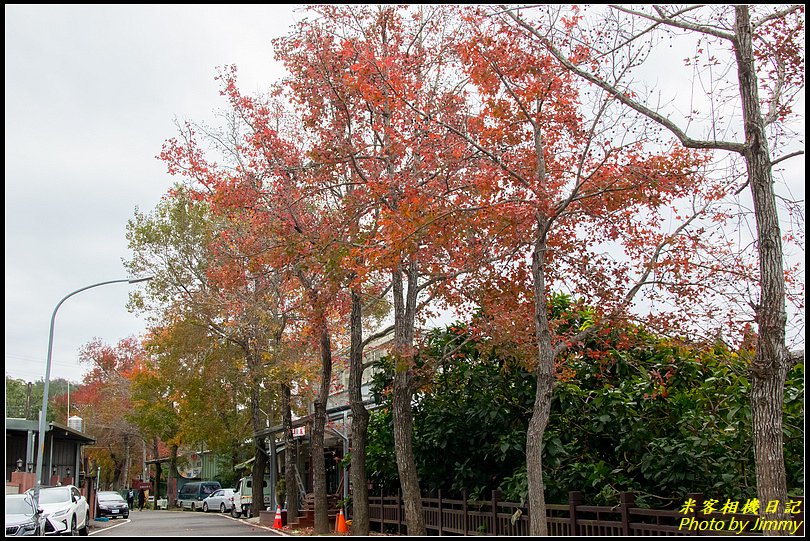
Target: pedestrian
130,498
141,499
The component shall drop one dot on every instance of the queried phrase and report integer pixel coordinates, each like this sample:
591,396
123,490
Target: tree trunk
318,426
545,386
259,453
406,464
259,469
770,366
290,484
359,490
404,321
172,494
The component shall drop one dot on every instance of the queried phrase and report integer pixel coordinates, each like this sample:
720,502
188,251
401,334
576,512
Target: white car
66,509
221,500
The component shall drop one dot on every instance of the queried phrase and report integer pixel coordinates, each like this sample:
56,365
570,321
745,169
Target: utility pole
28,386
143,466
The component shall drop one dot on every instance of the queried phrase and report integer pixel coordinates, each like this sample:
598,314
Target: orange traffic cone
277,522
340,523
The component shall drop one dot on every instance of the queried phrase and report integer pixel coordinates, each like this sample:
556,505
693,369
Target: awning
53,428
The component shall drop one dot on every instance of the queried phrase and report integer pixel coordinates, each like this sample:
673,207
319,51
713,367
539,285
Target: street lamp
43,413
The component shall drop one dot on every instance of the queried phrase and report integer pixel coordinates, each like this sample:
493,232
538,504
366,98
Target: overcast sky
91,94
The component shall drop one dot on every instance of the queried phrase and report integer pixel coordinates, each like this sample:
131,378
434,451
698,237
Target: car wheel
234,512
222,508
205,507
192,506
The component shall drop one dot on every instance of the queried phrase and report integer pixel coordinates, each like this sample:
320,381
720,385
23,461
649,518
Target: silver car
21,517
221,500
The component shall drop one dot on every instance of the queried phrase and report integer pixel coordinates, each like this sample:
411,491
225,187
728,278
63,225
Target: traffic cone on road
340,523
277,522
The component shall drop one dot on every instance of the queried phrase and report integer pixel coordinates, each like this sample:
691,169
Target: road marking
125,521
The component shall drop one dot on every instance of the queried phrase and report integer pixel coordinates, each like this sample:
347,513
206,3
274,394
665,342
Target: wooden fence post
627,499
574,499
495,495
399,512
464,507
441,512
800,515
698,497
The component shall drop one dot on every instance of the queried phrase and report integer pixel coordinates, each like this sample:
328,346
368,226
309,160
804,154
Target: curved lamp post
44,412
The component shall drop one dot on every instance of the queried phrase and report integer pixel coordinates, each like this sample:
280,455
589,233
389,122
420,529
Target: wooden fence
494,517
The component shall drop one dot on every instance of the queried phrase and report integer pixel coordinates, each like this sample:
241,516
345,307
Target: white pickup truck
243,496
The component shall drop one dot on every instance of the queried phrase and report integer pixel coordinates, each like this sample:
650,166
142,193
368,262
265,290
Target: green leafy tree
631,412
24,399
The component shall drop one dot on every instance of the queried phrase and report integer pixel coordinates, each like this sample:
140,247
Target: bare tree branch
625,99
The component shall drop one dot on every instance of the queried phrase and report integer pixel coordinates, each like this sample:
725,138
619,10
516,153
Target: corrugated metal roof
63,431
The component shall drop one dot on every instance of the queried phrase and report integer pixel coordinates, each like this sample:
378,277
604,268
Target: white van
243,496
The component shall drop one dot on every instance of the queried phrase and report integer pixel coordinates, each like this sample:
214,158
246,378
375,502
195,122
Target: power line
39,360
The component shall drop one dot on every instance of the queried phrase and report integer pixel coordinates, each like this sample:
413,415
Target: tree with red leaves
588,201
403,190
104,402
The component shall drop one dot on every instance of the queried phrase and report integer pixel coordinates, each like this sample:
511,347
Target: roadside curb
256,524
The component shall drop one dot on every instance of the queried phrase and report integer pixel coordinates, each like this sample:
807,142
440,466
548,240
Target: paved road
178,523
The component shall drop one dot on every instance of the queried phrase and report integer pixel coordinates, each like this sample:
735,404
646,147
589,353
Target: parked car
22,518
192,494
111,504
221,500
65,508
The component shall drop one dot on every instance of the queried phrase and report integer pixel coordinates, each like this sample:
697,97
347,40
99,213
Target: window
54,495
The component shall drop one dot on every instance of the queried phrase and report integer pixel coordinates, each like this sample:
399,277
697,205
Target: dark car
21,516
111,504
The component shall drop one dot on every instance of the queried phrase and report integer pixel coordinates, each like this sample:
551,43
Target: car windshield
54,495
110,497
18,506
